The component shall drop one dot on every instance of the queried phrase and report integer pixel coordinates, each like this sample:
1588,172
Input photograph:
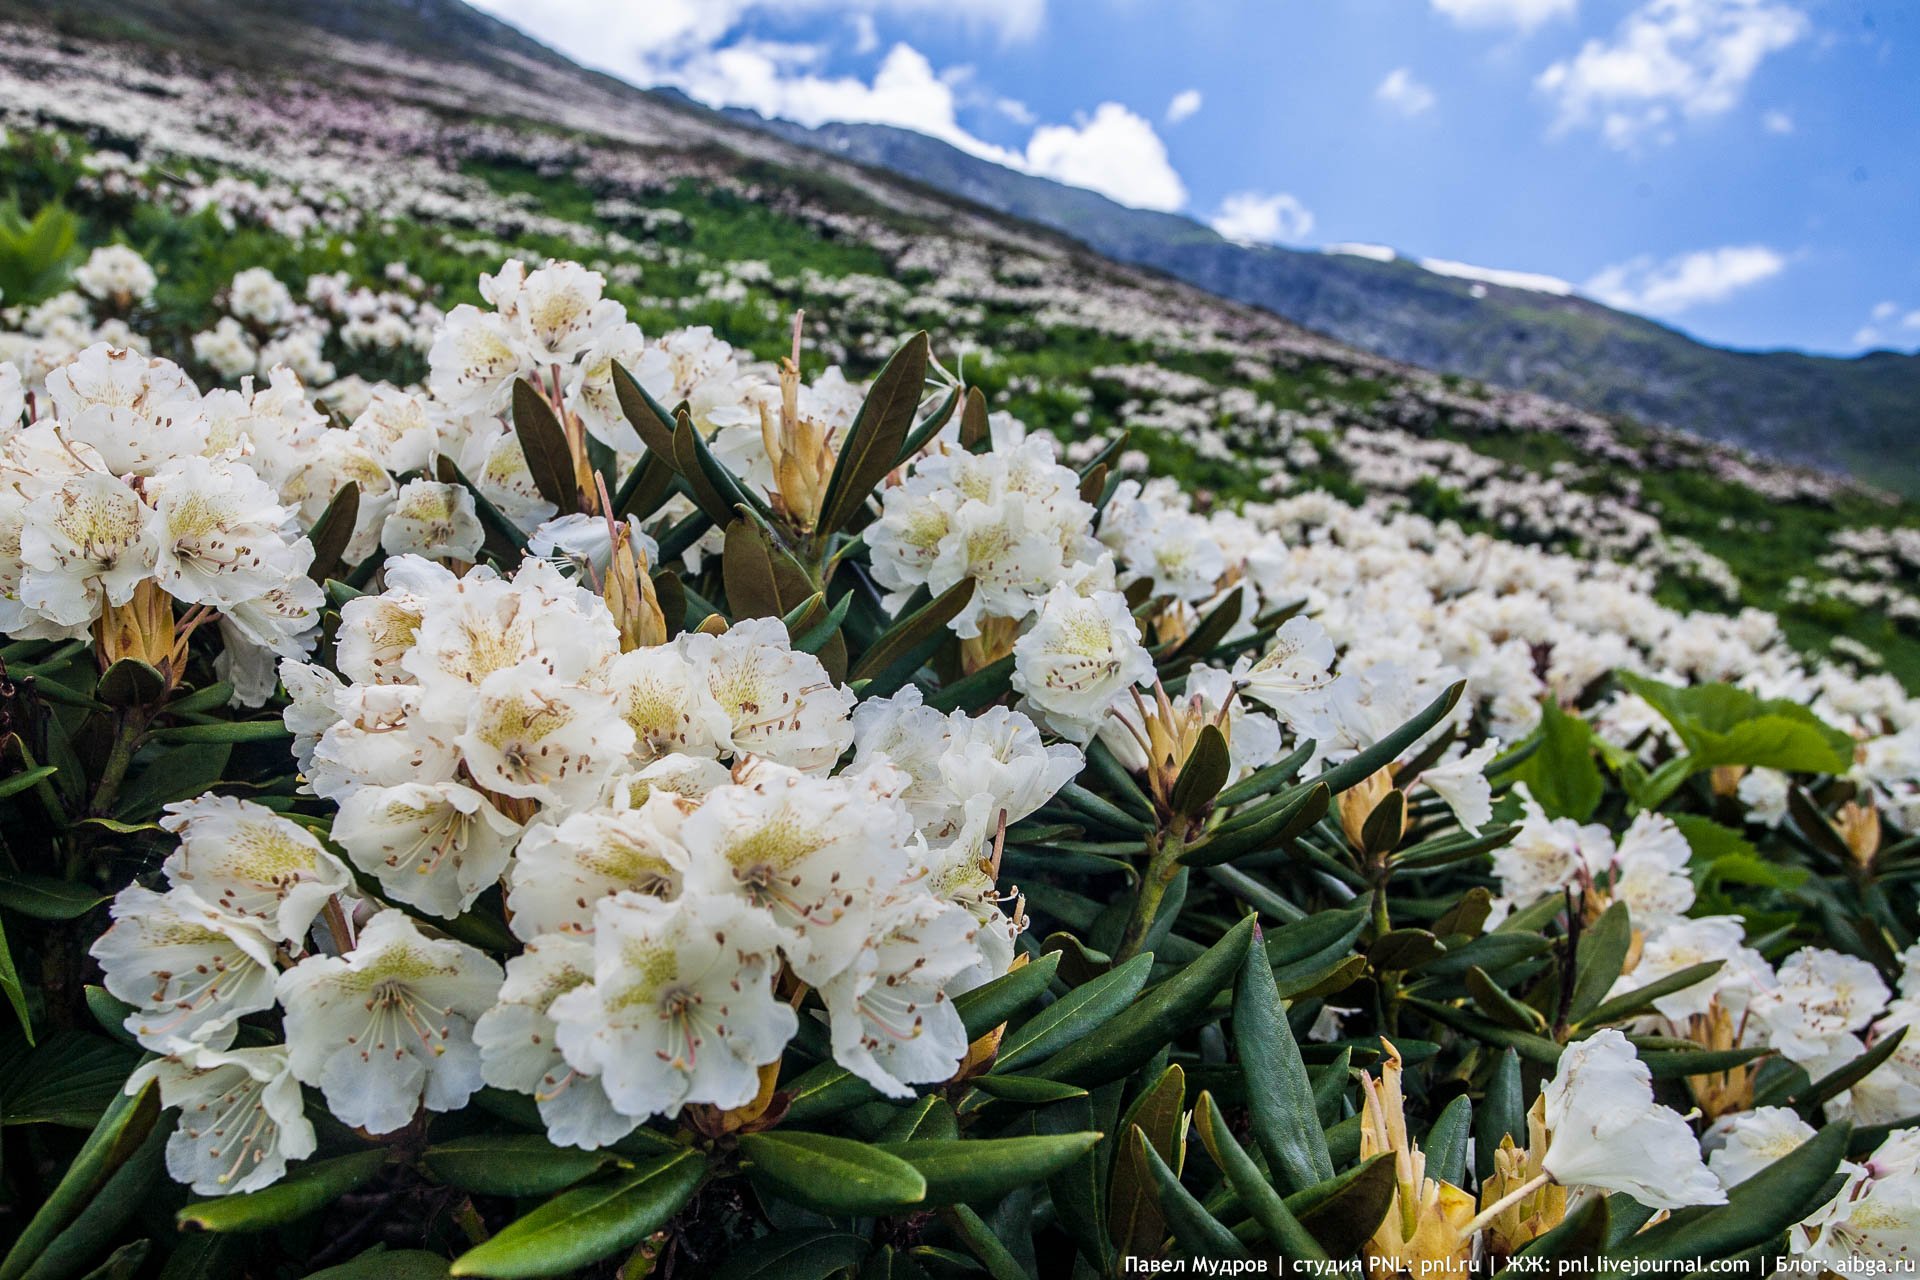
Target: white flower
1681,945
519,1049
561,872
812,852
483,625
114,273
189,970
137,412
312,704
1462,783
257,295
246,859
241,1117
219,533
779,703
1747,1142
474,360
665,700
1764,792
433,519
389,1025
1874,1220
1822,997
681,1008
1606,1131
1298,663
592,395
1547,856
434,845
88,542
893,1024
1080,654
380,740
531,735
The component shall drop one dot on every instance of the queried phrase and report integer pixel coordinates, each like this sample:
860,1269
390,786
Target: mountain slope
1858,414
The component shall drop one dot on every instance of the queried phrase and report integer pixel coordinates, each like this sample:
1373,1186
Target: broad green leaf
1599,957
1502,1113
45,898
1561,775
873,442
332,531
831,1175
1447,1141
306,1189
796,1254
122,1129
1206,770
544,442
1073,1015
582,1226
70,1079
1030,1090
984,1169
1343,1212
1285,1121
1162,1013
518,1164
1722,724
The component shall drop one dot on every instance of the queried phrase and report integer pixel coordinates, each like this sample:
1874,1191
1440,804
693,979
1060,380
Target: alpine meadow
589,690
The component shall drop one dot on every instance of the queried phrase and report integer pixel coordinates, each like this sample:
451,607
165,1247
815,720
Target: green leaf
1843,1078
582,1226
1497,1003
1502,1113
45,898
1030,1090
544,442
1073,1015
649,417
992,1003
306,1189
1600,956
131,683
15,784
1280,1095
1722,724
1164,1012
1197,1231
1279,821
387,1264
1448,1140
902,649
879,431
1561,774
798,1254
981,1169
1205,772
332,531
1134,1219
1283,1230
831,1175
1343,1212
1384,752
10,983
122,1130
495,1164
235,731
69,1080
1632,1003
104,1219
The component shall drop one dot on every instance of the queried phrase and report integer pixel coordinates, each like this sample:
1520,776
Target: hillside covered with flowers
586,695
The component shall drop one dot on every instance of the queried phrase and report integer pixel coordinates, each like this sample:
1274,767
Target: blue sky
1748,170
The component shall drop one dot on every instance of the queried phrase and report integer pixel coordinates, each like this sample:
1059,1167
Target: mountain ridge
1856,414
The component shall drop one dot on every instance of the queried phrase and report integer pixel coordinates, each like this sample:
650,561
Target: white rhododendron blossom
1609,1133
1082,653
241,1117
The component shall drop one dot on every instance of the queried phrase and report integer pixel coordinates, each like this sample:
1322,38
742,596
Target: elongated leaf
1502,1113
801,1254
1343,1212
306,1189
586,1224
984,1169
903,648
1197,1231
1447,1142
1285,1120
1366,763
46,898
1134,1219
1284,1231
510,1164
649,418
1162,1013
1637,1001
387,1264
1074,1014
544,441
1030,1090
992,1003
879,431
333,530
831,1175
1205,772
1601,955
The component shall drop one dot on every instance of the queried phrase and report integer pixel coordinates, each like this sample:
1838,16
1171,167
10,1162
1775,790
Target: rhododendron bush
618,805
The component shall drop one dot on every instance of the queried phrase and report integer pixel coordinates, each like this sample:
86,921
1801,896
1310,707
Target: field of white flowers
579,707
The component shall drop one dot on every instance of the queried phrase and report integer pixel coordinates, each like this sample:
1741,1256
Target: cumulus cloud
1524,14
1250,217
1668,286
1184,104
1114,152
1888,328
1668,60
1532,281
1404,93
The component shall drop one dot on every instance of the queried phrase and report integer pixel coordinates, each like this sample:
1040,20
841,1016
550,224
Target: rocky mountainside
1857,414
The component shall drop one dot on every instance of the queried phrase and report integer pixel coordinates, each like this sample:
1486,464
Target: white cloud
866,37
1692,58
1671,285
1911,320
1184,104
1249,217
1886,310
1114,152
1532,281
1356,249
1777,122
1404,93
1524,14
